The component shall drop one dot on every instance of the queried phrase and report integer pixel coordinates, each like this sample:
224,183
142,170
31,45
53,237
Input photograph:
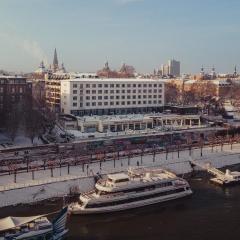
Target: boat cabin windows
121,180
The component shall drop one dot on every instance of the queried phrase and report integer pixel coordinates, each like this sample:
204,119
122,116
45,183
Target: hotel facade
95,96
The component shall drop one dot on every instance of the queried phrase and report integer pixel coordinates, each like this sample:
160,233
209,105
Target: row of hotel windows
118,85
118,97
118,91
88,104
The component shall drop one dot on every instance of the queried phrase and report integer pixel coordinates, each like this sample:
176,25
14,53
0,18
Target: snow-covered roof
13,222
118,176
113,80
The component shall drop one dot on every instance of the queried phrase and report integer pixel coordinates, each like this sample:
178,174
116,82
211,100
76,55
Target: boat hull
132,205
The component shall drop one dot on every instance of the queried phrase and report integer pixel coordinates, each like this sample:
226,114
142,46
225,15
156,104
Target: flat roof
110,80
118,176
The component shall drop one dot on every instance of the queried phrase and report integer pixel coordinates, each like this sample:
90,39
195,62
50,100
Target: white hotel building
95,96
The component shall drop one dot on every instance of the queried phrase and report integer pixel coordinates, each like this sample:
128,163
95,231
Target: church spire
55,61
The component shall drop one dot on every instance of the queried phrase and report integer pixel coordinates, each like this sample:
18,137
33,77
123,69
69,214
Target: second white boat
137,188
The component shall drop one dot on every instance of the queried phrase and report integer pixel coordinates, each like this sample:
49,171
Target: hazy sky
143,33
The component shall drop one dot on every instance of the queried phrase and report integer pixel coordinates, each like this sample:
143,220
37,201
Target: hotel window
93,91
117,97
134,96
111,85
139,85
123,97
134,91
154,102
149,96
75,98
123,91
155,85
87,91
111,97
93,85
123,85
154,96
106,97
81,98
99,85
144,90
105,103
93,103
81,104
139,102
117,103
128,103
139,96
128,91
145,85
74,85
117,85
74,91
87,104
106,91
81,85
117,91
128,97
159,101
123,103
155,90
149,85
139,90
129,85
99,103
149,90
149,102
144,96
93,97
134,85
99,97
159,85
99,91
159,96
74,104
111,103
106,85
144,102
87,85
159,90
134,102
112,91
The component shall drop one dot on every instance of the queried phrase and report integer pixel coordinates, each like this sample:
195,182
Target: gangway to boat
207,166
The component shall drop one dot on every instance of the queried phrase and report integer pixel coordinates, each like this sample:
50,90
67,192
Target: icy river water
211,213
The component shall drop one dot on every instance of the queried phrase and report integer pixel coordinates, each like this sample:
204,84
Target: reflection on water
211,213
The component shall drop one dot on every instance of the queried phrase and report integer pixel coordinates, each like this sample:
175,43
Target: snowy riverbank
44,186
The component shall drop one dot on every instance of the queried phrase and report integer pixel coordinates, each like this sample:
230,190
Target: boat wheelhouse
34,227
135,188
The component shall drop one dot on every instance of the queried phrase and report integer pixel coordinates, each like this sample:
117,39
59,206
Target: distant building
126,71
174,68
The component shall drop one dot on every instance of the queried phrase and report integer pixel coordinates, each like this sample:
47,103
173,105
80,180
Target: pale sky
142,33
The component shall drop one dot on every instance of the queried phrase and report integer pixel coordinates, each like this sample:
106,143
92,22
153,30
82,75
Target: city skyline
138,32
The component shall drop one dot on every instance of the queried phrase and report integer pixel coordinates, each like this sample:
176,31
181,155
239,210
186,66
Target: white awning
13,222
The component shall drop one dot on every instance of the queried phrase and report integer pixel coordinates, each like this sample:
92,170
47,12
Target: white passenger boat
137,188
34,227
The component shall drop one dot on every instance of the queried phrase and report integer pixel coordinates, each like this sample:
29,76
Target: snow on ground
44,186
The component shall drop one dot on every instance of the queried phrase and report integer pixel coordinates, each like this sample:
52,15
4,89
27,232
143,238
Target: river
211,213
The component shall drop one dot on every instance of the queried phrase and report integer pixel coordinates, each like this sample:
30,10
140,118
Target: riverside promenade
29,187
